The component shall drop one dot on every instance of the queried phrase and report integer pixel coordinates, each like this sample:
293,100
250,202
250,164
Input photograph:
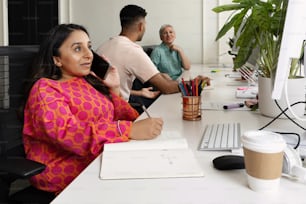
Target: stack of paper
249,92
166,156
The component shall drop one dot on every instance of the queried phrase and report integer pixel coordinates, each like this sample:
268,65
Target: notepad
166,156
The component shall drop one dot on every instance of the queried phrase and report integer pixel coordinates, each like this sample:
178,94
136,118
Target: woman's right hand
146,129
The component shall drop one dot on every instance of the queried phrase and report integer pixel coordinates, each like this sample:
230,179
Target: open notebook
166,156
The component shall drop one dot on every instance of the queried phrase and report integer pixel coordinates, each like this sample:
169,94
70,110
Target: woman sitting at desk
70,114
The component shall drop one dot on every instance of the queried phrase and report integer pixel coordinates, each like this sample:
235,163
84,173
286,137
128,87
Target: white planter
296,92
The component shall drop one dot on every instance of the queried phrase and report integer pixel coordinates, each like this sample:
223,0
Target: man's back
130,60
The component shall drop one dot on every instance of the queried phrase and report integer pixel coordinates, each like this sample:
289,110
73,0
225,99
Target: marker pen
234,105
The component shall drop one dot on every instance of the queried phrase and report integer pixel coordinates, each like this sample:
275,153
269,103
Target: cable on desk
283,112
292,133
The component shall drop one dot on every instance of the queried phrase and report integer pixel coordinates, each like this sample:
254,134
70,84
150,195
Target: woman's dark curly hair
43,65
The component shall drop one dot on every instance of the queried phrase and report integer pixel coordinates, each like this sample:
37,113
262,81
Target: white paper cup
263,157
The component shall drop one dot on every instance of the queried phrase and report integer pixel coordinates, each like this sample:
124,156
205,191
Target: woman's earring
58,64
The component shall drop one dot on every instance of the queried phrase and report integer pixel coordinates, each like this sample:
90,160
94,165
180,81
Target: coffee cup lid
263,141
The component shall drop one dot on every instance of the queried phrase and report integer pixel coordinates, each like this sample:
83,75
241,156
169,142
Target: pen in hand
145,110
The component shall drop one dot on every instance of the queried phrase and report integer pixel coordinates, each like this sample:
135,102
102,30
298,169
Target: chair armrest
20,167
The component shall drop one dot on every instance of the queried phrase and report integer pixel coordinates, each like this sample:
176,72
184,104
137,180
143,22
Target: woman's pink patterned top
66,125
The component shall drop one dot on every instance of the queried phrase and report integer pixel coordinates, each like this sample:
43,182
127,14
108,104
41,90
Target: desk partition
216,186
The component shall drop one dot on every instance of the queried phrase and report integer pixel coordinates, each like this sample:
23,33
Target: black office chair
14,66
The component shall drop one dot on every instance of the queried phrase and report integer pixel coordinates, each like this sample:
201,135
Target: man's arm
164,84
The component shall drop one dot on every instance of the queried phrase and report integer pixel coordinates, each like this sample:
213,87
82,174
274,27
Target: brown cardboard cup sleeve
263,165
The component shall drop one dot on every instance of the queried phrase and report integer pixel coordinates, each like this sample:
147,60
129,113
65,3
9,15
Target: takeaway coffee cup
263,157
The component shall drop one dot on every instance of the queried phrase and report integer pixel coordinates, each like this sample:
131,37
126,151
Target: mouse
229,162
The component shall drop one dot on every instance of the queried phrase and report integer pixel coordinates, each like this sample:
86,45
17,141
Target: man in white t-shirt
130,59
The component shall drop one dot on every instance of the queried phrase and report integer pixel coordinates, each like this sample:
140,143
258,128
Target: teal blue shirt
167,61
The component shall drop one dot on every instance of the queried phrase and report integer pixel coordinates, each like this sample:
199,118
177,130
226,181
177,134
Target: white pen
145,110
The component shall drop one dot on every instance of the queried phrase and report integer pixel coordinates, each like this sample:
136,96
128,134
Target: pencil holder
191,107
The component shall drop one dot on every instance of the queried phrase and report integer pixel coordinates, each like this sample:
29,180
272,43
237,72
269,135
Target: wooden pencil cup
191,107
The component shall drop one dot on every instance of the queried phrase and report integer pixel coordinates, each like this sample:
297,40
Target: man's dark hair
131,14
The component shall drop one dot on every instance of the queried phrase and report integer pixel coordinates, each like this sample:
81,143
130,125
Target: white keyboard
223,136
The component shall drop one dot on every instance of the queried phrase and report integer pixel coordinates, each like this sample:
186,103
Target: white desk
215,187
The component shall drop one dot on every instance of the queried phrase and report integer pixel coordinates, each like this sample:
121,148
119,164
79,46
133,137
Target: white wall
3,22
185,16
195,23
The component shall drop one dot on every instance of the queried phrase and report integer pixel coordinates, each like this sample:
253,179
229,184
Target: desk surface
215,187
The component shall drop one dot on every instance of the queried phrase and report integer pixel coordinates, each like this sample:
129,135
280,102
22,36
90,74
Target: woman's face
75,55
168,35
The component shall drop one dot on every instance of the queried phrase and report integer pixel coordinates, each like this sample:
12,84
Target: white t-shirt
130,60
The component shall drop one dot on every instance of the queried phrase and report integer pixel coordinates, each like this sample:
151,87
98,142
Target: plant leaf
234,21
246,43
228,7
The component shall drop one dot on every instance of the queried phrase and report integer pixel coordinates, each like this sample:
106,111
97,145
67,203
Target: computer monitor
294,34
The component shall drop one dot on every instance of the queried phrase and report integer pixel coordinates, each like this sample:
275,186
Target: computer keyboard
221,136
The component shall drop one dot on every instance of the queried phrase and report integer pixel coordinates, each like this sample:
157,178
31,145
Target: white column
3,23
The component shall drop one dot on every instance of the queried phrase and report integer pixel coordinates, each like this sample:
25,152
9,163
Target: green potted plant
295,83
252,21
258,25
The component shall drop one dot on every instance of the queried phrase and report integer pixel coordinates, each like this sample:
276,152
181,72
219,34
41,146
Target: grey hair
162,28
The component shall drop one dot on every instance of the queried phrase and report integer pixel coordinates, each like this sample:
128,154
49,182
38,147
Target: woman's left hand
112,80
175,47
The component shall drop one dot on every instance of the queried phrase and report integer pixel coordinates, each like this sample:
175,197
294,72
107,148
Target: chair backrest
148,49
14,67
